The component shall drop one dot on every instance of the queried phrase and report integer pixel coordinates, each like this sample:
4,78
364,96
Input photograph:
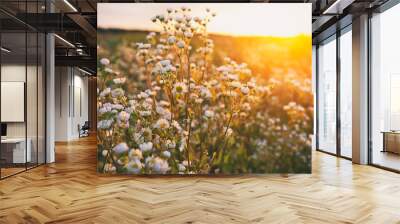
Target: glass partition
346,93
41,96
327,95
31,97
22,88
13,92
385,89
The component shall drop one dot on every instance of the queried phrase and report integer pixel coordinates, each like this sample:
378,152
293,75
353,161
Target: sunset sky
239,19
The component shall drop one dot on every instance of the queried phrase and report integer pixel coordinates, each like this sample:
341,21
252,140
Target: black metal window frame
334,37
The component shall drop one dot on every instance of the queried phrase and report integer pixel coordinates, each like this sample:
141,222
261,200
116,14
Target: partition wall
22,77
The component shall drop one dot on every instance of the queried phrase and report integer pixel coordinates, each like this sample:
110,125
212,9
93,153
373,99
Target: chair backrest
86,125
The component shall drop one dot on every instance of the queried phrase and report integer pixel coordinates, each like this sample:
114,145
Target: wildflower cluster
184,114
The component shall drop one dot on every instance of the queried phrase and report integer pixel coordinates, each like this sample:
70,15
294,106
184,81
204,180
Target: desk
13,150
391,141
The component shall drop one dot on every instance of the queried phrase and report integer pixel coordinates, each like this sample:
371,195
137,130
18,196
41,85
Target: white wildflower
188,34
119,80
170,144
135,153
109,168
121,148
142,95
117,92
179,88
199,100
105,61
209,113
176,125
108,70
164,103
205,92
123,116
117,106
245,90
159,165
181,44
165,63
171,39
145,147
166,154
134,166
145,113
179,19
181,167
228,131
105,92
162,124
104,124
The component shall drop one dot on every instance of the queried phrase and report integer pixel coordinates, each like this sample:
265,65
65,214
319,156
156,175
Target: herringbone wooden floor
70,191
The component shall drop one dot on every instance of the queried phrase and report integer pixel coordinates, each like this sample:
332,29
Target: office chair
84,130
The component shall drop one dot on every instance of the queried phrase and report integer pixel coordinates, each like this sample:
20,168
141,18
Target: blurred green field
266,56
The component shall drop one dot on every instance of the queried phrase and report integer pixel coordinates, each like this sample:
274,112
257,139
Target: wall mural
204,88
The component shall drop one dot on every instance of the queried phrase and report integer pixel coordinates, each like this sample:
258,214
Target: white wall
10,73
80,110
70,83
61,103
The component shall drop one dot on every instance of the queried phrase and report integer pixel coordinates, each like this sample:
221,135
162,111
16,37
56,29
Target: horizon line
215,33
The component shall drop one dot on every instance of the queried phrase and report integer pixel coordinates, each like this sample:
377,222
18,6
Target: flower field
185,101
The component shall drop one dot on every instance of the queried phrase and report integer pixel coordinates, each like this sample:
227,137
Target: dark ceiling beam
49,22
91,5
85,51
76,61
321,22
332,29
337,7
329,15
68,23
89,30
15,18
